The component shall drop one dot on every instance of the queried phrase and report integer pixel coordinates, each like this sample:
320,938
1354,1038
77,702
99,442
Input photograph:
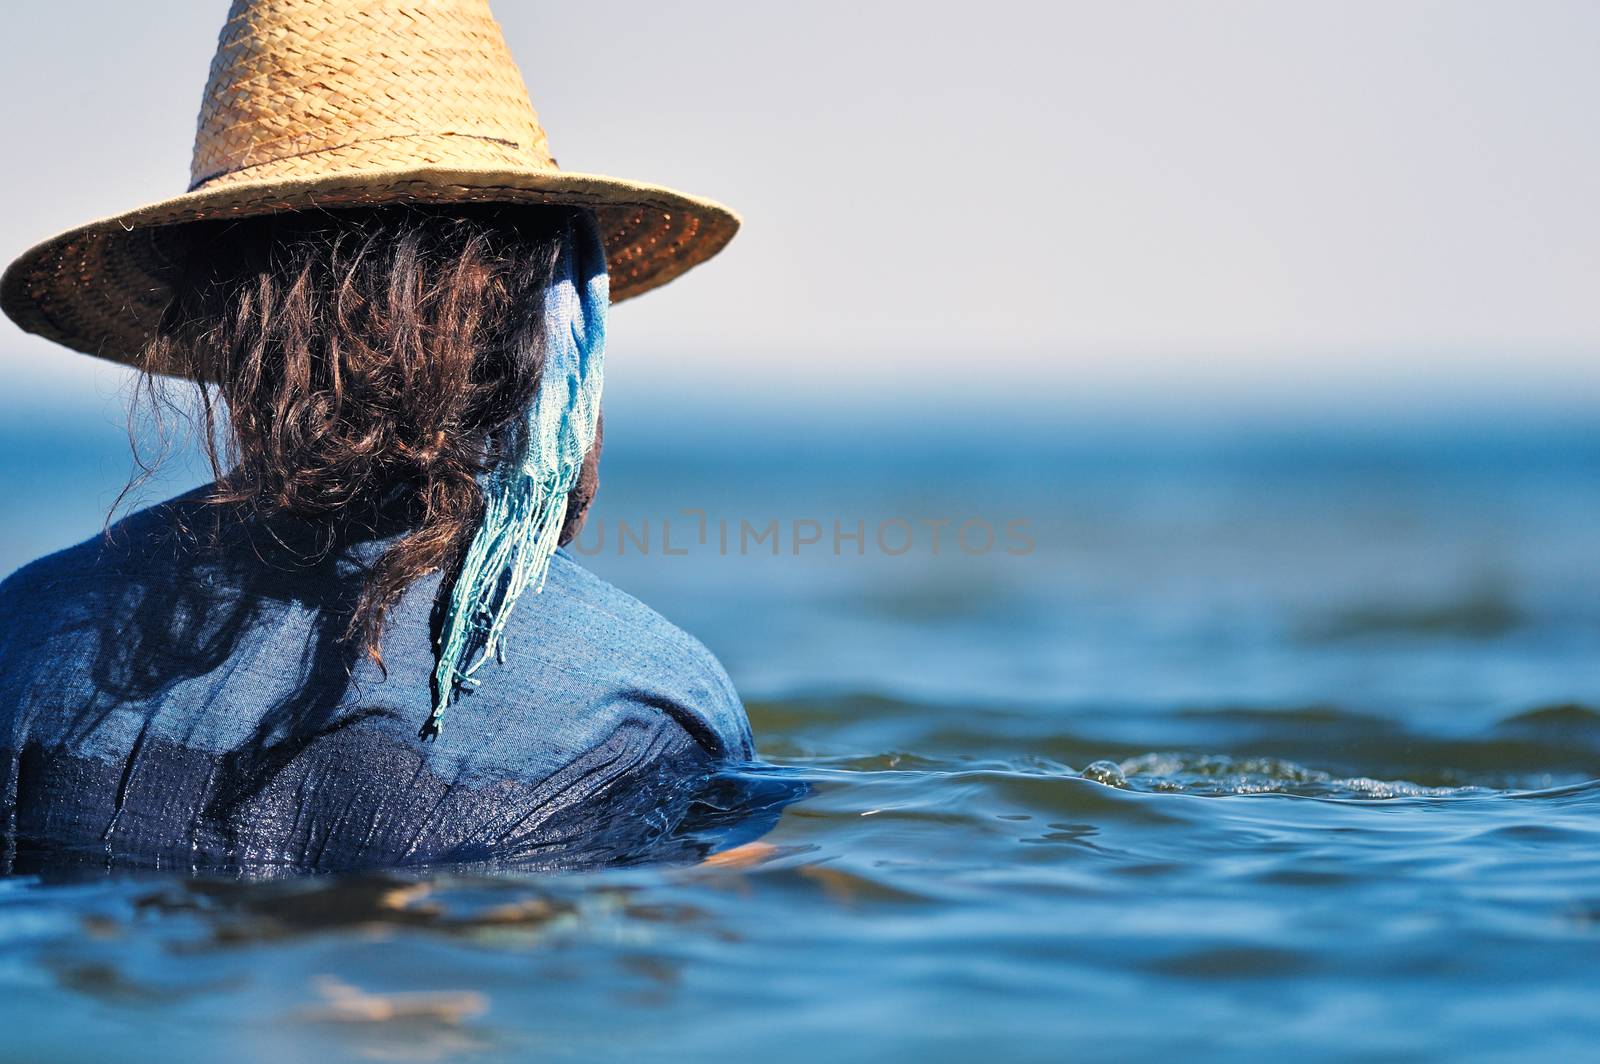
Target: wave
1314,750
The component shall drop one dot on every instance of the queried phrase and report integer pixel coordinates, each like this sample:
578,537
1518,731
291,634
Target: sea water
1273,739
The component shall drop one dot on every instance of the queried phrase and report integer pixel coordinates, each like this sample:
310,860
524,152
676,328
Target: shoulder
588,626
59,613
58,609
157,537
617,616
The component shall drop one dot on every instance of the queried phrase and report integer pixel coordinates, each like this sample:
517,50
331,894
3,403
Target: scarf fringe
525,501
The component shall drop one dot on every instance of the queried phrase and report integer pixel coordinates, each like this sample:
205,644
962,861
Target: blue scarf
525,498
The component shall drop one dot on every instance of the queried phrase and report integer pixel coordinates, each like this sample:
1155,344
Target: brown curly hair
363,360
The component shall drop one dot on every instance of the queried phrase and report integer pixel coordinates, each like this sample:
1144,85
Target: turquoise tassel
525,498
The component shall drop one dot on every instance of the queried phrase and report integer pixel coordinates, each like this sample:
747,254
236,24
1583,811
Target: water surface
1279,741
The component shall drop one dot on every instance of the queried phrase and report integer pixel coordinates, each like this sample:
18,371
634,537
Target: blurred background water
1283,736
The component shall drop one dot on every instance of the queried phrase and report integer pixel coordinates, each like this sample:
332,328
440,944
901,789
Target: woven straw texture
343,103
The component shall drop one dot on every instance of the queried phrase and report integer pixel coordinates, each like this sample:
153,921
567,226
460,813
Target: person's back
173,701
314,662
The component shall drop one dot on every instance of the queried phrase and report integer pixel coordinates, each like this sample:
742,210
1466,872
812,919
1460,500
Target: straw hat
344,103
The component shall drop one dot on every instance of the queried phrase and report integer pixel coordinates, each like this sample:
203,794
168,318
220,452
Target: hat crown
324,87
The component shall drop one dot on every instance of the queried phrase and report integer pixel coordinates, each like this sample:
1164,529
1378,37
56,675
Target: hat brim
101,288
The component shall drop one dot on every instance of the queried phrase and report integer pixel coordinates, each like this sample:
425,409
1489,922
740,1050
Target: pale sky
1360,198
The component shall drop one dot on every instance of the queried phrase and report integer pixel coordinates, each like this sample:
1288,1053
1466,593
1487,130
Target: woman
360,645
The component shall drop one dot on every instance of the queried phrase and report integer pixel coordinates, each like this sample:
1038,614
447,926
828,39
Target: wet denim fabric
169,700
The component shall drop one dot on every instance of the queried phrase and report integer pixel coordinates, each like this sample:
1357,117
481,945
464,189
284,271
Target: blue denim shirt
179,694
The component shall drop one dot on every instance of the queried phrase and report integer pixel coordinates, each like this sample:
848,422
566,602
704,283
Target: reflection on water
1283,746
